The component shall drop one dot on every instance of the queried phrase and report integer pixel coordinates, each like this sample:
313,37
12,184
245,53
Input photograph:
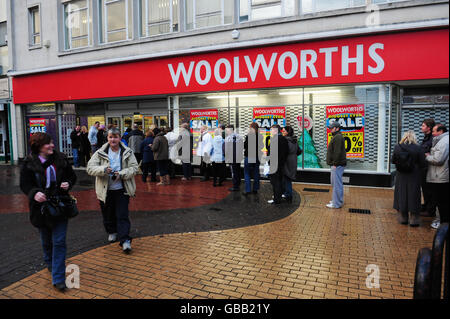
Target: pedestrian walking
218,158
75,138
427,209
290,167
437,175
409,161
253,145
337,159
134,140
148,161
114,167
85,147
185,144
93,136
46,173
204,151
160,148
234,154
278,160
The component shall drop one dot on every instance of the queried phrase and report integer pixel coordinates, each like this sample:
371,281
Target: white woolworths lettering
308,58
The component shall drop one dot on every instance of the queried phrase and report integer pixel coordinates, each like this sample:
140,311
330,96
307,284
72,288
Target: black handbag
60,206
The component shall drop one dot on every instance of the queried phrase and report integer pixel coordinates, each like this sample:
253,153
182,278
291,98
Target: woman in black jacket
85,147
148,161
407,181
45,173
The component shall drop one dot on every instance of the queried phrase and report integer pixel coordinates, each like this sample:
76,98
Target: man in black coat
277,162
428,209
75,137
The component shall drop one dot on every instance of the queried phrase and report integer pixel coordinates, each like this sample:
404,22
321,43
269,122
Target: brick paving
313,253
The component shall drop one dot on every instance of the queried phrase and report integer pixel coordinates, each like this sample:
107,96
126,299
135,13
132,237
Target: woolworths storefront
366,83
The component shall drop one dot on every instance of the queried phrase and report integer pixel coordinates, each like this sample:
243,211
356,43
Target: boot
402,218
414,219
161,181
167,179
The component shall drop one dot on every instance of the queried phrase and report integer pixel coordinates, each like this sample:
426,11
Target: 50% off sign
354,144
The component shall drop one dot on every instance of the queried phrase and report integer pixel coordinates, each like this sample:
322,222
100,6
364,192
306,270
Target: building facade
379,67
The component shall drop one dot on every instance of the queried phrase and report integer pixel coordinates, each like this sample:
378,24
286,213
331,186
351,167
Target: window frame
31,26
195,16
147,24
103,25
68,31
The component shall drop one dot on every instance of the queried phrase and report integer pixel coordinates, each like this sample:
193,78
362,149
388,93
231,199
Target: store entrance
144,121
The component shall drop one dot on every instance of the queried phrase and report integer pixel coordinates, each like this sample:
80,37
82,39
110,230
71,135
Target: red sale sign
364,59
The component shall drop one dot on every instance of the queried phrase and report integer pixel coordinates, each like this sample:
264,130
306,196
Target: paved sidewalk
314,252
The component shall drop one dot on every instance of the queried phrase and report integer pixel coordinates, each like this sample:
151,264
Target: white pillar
176,115
382,92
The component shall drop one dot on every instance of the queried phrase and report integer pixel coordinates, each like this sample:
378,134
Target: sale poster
268,116
198,118
351,119
37,125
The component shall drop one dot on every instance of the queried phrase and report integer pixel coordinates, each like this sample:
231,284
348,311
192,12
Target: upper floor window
250,10
34,18
208,13
3,33
312,6
115,20
77,24
159,17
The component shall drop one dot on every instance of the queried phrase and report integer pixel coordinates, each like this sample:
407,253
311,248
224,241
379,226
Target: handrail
428,274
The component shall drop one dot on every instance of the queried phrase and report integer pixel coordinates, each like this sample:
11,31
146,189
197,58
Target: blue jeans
54,246
76,162
251,170
338,186
287,186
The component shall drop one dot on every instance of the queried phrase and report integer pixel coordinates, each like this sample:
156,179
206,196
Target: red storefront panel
365,59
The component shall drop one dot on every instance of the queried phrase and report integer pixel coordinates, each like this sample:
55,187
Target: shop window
3,33
115,20
34,19
159,17
250,10
313,6
208,13
77,24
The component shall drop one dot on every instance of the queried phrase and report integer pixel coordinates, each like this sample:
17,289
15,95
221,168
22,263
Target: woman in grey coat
407,184
290,167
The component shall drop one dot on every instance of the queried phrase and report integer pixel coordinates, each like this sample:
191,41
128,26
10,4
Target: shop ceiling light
231,96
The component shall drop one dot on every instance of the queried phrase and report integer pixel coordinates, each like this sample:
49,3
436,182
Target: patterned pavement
307,252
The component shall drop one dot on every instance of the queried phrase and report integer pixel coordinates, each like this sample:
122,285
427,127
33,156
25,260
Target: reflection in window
77,24
116,20
312,6
208,13
251,10
159,17
35,26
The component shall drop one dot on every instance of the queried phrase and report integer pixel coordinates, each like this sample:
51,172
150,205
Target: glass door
116,121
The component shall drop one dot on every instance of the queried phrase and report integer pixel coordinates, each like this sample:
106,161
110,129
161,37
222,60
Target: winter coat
180,146
438,160
85,145
160,147
407,185
92,135
283,151
290,167
204,144
172,139
134,140
76,139
101,138
234,149
100,162
259,145
31,167
146,150
427,143
218,155
336,154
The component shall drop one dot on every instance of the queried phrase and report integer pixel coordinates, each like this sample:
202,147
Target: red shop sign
364,59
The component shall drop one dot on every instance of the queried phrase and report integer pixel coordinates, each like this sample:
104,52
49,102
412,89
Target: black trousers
428,205
84,158
115,214
205,170
277,185
236,171
149,167
440,199
218,172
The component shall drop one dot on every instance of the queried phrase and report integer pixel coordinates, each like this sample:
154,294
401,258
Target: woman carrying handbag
47,173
